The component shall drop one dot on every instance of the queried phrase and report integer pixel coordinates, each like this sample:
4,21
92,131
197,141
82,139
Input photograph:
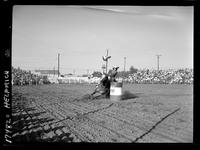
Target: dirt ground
62,113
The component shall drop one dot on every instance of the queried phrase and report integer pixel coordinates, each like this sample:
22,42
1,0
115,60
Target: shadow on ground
125,96
28,124
128,95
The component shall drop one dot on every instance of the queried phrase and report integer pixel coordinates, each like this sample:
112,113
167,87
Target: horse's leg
95,91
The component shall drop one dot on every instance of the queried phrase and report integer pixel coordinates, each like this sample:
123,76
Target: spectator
22,77
179,76
145,76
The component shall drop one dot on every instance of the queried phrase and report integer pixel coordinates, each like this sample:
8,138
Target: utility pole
107,61
58,64
105,58
158,56
124,64
103,68
53,71
74,72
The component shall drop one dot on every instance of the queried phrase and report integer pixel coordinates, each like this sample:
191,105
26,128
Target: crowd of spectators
145,76
170,76
23,77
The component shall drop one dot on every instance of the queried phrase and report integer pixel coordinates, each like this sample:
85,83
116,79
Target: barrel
116,91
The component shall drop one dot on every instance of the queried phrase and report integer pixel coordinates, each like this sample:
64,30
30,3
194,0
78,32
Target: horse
104,87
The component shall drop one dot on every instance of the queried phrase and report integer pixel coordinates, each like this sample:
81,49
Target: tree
132,70
97,74
123,74
70,74
84,75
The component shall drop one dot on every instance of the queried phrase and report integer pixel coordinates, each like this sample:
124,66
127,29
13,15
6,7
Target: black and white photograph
102,74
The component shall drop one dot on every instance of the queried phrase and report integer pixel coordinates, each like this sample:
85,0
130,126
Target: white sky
81,34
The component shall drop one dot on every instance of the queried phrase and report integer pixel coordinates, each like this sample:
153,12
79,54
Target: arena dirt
65,113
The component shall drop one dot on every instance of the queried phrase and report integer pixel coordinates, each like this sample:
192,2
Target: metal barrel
116,91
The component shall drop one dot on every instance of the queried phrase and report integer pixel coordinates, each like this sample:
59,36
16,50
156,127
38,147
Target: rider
104,86
113,74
